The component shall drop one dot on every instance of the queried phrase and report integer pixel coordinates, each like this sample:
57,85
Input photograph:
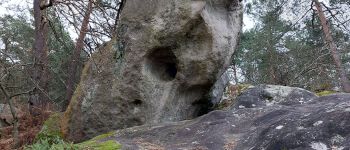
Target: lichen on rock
269,95
51,128
99,143
319,123
159,68
325,93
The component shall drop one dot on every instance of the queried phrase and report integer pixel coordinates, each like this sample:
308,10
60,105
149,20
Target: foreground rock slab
159,68
318,124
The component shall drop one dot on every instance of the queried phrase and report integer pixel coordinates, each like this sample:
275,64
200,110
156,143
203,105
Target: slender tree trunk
271,63
235,73
75,60
329,40
272,71
6,45
39,72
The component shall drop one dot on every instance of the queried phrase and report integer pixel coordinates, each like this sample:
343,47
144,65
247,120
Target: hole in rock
204,106
137,102
162,64
198,99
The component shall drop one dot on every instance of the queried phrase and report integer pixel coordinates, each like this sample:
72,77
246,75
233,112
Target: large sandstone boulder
160,68
317,124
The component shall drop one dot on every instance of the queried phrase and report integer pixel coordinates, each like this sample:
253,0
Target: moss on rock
51,128
66,120
103,136
97,143
51,139
74,104
325,93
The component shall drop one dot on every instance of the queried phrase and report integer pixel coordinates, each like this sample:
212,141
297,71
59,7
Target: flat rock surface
319,124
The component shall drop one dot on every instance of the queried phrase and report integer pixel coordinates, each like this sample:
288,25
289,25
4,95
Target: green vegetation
325,93
97,143
292,52
52,143
51,129
51,138
105,145
103,136
57,143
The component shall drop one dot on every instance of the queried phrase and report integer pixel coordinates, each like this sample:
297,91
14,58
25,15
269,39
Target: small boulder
6,118
267,95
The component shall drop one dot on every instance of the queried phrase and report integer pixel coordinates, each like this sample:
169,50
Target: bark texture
39,71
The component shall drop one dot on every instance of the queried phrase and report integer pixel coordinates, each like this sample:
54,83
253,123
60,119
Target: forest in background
288,45
40,62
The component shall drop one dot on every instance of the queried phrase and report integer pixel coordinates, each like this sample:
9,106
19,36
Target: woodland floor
29,127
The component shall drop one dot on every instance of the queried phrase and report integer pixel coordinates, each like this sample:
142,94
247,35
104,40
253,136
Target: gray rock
320,124
266,95
218,90
6,118
159,68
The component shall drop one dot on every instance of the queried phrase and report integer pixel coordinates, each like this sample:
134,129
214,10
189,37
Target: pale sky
248,22
6,5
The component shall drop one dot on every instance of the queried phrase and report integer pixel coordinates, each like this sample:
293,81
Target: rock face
160,68
221,85
248,96
6,118
320,123
267,95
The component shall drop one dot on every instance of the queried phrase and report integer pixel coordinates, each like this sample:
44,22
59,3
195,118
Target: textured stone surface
318,124
6,118
221,85
160,68
230,95
266,95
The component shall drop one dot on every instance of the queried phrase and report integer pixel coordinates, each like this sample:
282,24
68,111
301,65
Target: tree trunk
235,73
271,62
329,40
39,73
75,59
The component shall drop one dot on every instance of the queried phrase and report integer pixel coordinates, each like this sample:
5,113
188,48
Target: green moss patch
96,145
52,144
103,136
51,128
57,143
325,93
